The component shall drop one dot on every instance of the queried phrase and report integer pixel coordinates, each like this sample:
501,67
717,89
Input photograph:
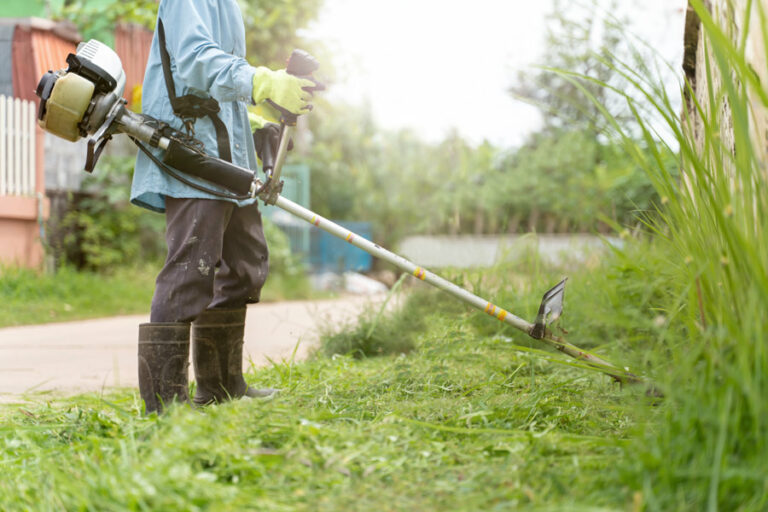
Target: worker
197,80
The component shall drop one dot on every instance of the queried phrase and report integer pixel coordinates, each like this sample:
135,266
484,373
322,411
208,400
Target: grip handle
303,64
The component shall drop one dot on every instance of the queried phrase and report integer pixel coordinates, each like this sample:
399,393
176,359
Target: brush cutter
85,100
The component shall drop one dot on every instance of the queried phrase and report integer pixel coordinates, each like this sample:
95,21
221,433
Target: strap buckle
189,125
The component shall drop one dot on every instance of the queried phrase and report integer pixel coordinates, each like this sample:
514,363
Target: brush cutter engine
76,102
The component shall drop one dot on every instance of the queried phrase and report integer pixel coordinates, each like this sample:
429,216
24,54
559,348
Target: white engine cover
104,57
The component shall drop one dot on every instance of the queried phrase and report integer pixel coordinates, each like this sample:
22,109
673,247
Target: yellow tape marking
488,307
502,315
420,273
350,237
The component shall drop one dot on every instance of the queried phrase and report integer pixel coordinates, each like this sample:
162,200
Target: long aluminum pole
619,374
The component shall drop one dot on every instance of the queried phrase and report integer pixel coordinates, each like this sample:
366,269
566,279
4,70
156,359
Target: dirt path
92,355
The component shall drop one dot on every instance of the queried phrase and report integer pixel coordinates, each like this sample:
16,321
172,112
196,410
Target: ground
94,355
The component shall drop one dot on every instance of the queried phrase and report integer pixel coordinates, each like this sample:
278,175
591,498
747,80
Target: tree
581,38
271,27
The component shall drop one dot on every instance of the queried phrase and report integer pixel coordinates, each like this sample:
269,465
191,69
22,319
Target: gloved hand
266,139
261,114
256,121
265,132
286,91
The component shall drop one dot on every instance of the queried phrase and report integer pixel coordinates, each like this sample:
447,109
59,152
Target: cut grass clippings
463,421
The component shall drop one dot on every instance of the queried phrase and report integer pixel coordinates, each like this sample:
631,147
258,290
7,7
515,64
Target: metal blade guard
550,309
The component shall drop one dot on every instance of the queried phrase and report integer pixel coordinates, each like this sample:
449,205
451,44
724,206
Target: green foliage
568,181
556,182
381,331
272,28
287,275
104,230
709,450
581,37
97,19
281,259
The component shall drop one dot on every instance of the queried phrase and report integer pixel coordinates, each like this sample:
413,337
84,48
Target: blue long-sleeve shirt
206,43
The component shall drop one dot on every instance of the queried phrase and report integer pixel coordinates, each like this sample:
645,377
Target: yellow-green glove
264,121
285,90
256,121
262,114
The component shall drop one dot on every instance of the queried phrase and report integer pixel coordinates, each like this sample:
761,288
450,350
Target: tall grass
710,450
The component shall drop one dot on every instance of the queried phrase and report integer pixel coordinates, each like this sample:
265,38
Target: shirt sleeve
200,61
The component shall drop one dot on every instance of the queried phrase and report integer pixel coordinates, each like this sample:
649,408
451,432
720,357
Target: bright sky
433,65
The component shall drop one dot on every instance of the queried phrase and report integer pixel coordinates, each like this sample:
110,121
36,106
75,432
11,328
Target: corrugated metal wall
36,51
132,44
6,53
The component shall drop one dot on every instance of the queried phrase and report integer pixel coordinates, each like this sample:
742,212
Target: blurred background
448,128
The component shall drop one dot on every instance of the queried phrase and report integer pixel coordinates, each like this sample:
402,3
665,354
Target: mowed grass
470,418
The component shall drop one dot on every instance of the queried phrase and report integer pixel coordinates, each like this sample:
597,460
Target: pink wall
20,242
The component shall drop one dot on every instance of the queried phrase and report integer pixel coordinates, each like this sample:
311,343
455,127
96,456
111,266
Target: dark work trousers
217,258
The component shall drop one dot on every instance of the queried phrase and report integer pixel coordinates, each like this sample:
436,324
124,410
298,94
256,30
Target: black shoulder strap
191,107
166,61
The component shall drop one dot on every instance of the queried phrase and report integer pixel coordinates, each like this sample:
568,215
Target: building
35,167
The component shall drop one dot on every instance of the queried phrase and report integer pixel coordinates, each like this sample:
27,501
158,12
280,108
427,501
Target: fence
17,147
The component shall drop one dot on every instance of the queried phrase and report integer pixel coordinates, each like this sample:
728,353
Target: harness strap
191,107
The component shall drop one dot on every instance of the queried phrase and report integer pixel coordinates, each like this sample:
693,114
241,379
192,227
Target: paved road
95,354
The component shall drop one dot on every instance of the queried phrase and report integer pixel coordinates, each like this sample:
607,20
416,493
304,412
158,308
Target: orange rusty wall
23,64
132,43
36,51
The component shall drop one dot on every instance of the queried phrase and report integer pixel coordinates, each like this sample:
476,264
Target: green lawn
452,415
31,297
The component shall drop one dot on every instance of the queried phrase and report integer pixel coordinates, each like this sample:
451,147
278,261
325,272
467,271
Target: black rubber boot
163,364
217,357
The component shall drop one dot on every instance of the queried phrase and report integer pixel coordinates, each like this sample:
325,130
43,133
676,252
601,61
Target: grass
470,418
32,297
709,448
474,417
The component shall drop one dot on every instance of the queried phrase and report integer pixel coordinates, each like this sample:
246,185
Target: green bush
103,230
380,332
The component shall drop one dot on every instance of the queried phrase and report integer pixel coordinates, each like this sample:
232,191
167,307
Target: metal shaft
137,127
463,295
286,132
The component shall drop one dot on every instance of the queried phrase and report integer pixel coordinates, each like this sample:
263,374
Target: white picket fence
17,147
